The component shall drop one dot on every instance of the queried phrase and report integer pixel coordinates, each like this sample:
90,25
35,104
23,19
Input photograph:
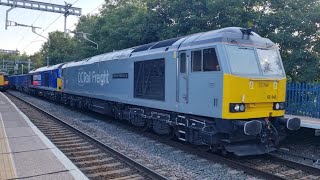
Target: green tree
38,60
59,49
292,24
86,24
122,28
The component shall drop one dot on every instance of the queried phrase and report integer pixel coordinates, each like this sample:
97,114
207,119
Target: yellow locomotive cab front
254,88
256,85
258,95
4,83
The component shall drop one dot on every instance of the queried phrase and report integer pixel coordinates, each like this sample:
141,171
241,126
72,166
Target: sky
22,38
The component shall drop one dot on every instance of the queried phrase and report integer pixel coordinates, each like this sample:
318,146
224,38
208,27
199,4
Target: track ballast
95,159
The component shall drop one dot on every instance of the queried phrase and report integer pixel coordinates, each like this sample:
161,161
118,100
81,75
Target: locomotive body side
46,82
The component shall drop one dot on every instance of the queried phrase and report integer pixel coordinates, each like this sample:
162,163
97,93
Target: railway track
310,160
264,166
278,168
95,159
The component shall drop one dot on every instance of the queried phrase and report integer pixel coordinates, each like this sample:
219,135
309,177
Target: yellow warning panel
7,170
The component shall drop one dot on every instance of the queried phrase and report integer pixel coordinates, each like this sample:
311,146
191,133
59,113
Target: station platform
307,122
25,153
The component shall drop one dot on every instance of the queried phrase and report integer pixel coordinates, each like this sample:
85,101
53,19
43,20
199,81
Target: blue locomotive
223,88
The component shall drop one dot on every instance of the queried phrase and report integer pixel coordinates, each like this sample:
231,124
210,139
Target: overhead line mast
66,9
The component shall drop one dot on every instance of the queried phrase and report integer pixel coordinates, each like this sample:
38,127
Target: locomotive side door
183,77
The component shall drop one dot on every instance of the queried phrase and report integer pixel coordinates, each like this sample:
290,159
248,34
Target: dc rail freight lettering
223,88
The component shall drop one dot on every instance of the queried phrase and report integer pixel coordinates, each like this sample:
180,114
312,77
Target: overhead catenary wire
42,32
47,27
87,14
31,25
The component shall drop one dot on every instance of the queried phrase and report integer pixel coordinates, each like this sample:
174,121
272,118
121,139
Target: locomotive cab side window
196,61
210,60
183,63
205,60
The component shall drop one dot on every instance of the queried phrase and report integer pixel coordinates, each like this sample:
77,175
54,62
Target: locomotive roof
46,68
229,34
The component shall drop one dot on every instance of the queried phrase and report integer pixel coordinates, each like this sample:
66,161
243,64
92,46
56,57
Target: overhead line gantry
66,9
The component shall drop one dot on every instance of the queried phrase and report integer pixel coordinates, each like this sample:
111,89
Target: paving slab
60,176
15,123
30,143
12,116
19,132
7,109
33,163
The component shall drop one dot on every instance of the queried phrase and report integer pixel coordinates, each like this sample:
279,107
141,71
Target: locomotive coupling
291,124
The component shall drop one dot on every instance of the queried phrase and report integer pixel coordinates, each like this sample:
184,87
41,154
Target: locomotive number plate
271,97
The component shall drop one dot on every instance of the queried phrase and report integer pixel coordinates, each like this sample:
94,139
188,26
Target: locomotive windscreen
149,79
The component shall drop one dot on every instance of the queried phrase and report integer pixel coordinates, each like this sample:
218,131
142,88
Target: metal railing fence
303,99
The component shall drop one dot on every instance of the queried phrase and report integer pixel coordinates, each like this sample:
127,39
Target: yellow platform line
7,167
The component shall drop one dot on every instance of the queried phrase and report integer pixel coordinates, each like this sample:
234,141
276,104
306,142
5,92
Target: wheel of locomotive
217,149
169,136
145,127
138,121
80,105
72,103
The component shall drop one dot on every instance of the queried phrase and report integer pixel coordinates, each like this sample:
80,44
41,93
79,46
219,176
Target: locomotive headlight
242,107
278,106
234,107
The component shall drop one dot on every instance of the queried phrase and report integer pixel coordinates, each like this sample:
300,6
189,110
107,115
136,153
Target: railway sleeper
110,173
78,149
131,177
82,151
104,166
72,141
80,144
102,160
61,139
90,157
